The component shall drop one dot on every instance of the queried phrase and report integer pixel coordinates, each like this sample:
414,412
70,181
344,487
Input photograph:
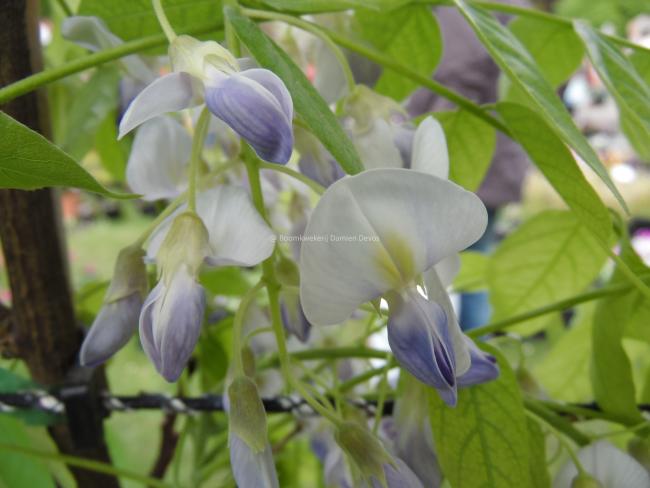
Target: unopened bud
364,105
187,243
364,450
248,361
247,418
129,275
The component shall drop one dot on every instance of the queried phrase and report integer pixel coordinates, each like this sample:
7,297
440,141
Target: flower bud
248,361
186,244
364,106
247,416
364,450
118,317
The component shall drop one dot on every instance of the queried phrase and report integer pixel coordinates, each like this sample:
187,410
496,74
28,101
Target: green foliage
90,106
316,6
17,469
560,168
133,19
471,142
628,88
600,12
410,32
473,272
29,161
611,370
539,477
513,58
308,103
554,46
564,370
550,257
484,440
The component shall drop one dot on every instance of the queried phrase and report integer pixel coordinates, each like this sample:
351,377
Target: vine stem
153,225
312,29
163,20
558,423
195,158
85,464
552,307
237,327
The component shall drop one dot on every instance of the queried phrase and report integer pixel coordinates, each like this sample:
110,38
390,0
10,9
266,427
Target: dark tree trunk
42,323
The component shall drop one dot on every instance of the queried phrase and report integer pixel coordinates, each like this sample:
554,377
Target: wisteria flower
227,231
255,103
376,233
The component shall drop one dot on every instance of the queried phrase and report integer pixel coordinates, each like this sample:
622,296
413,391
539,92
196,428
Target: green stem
556,421
85,464
273,290
163,20
362,378
195,159
37,80
550,308
313,29
328,353
237,327
586,413
316,187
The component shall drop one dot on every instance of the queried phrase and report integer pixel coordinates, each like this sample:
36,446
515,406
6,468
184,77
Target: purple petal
251,470
170,323
254,113
321,168
293,318
111,330
419,337
403,139
483,367
273,83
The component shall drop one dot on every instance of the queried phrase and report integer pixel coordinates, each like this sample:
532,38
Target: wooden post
42,323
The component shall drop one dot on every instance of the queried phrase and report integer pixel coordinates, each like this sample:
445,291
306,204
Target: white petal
158,161
91,33
447,269
401,222
376,147
252,470
608,464
238,235
430,149
436,292
169,93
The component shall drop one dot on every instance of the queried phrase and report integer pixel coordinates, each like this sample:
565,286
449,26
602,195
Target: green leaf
549,258
229,281
112,153
16,469
554,46
133,19
91,104
473,270
564,371
483,441
29,161
213,354
513,58
471,142
308,103
611,370
537,450
628,88
410,32
560,168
